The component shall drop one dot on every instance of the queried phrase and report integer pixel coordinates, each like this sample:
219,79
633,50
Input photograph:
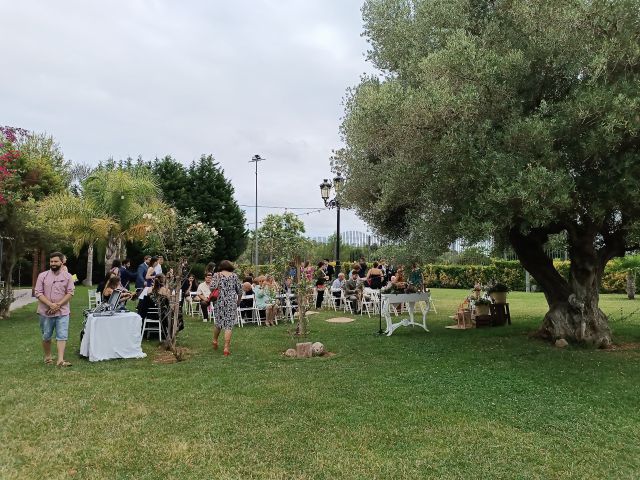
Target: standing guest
308,271
382,265
363,268
126,275
329,269
54,289
292,271
158,267
210,268
416,278
184,267
142,272
203,293
226,307
115,267
374,277
320,278
152,271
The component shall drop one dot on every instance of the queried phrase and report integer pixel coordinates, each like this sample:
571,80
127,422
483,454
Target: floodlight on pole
255,159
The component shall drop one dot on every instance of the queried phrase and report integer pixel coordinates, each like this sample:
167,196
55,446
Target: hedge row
510,273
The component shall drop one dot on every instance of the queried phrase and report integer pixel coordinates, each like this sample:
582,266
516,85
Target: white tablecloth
115,336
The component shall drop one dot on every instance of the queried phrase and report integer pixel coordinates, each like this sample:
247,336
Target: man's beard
55,268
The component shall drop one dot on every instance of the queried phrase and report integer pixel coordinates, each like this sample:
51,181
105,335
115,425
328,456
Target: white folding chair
152,318
346,304
335,300
368,302
289,306
95,299
255,314
432,305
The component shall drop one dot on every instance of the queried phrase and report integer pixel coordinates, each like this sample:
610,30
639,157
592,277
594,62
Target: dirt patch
165,357
622,347
339,320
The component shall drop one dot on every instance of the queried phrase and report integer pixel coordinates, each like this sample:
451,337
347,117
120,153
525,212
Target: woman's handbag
215,293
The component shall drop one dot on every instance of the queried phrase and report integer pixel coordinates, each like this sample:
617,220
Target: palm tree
108,213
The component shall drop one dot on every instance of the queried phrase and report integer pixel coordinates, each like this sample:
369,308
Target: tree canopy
203,189
517,120
32,166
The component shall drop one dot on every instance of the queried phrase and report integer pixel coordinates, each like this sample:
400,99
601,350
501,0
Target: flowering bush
9,155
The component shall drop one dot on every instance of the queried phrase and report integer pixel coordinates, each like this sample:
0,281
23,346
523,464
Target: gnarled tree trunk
574,314
116,249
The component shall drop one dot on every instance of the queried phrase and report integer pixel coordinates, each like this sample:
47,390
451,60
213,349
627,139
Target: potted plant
482,306
498,292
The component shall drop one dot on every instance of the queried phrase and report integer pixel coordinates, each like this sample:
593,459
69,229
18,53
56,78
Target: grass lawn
486,403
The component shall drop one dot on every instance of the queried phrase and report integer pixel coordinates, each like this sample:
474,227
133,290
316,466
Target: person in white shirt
158,267
337,286
203,293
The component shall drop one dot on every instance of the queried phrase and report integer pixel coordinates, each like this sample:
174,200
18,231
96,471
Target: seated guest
337,286
114,285
247,303
265,301
374,277
189,285
353,290
203,293
103,283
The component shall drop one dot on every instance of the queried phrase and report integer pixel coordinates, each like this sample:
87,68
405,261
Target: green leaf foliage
516,120
203,189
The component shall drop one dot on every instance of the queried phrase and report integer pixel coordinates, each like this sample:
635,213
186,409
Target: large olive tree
517,119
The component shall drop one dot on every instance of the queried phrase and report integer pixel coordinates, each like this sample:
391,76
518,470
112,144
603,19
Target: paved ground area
22,297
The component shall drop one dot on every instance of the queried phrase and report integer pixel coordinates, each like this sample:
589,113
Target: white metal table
410,299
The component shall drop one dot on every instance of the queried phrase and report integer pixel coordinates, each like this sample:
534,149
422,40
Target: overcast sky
158,77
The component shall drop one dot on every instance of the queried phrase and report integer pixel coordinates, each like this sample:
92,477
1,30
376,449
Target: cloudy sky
159,77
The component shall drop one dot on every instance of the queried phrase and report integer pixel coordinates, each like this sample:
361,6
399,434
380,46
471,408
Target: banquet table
112,336
410,299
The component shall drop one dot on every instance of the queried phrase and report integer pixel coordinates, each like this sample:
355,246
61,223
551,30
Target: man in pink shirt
54,289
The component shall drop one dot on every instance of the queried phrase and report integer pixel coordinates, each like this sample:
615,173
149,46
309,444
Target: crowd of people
218,295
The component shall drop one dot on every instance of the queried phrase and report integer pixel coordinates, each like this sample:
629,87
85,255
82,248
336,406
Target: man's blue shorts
60,323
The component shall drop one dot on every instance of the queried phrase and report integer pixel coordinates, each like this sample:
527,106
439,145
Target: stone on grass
318,349
291,353
561,343
303,350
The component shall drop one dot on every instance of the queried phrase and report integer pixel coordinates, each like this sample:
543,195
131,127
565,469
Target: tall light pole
255,159
325,192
